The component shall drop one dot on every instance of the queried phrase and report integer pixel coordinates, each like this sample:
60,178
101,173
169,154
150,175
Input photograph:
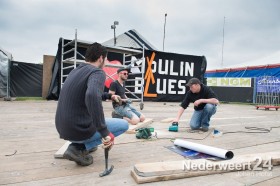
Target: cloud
30,28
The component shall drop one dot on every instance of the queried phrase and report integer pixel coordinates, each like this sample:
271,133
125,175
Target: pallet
163,171
267,107
132,128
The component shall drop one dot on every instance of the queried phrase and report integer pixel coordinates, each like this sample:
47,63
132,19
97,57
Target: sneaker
204,129
115,115
74,153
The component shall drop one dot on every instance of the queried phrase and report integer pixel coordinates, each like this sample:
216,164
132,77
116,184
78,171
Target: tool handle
106,151
175,124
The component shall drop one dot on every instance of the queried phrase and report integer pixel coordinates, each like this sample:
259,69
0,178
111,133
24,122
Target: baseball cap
193,81
123,69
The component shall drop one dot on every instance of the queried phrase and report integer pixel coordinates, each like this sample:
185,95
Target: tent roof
130,39
8,54
270,61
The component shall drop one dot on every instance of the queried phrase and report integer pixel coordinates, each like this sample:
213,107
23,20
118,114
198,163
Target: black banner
26,79
166,74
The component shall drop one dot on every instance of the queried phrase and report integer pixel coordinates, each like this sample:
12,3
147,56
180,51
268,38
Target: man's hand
116,98
175,120
128,100
108,141
197,102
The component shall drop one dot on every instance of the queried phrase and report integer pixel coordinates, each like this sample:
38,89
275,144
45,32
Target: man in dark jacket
205,102
79,116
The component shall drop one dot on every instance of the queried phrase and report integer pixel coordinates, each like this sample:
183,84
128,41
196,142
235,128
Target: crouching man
80,116
205,105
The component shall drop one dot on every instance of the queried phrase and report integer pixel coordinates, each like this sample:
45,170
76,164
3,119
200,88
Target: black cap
123,69
193,81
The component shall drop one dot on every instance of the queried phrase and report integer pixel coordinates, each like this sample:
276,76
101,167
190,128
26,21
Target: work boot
115,115
91,150
75,152
204,129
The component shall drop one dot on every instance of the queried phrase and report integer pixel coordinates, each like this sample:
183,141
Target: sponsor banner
268,84
229,82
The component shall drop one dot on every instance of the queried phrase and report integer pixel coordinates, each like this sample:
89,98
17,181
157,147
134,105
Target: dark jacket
119,90
205,93
79,111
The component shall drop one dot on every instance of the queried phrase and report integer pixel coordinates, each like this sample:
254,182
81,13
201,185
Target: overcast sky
31,28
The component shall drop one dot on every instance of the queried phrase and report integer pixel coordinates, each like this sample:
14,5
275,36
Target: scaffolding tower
268,93
72,55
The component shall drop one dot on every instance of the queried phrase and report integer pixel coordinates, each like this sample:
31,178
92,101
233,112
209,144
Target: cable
11,154
190,131
253,130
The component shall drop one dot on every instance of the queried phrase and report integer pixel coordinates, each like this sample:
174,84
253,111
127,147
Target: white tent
130,39
5,58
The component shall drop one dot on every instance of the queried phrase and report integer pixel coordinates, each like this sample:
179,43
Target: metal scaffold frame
135,89
268,93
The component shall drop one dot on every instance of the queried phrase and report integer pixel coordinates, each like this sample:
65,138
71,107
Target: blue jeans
114,125
201,118
127,111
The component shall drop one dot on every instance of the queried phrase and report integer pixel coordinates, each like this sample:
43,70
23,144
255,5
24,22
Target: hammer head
106,171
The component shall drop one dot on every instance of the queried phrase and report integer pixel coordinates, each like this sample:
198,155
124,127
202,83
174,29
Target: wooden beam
169,120
132,128
60,152
162,171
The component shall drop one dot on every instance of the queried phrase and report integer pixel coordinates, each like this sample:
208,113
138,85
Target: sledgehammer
106,171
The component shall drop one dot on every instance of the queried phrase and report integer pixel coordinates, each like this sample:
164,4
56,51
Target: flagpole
223,43
164,31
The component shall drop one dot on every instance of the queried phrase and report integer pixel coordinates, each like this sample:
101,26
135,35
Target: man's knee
124,125
134,120
142,118
209,108
194,126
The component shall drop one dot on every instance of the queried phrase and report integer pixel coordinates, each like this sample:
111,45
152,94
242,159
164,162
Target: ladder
71,58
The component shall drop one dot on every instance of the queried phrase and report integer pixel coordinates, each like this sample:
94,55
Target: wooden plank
167,120
60,152
162,171
132,128
159,168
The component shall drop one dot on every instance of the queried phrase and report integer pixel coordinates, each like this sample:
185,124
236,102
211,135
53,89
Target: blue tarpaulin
257,71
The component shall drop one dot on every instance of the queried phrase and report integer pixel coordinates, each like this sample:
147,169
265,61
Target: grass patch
237,103
29,99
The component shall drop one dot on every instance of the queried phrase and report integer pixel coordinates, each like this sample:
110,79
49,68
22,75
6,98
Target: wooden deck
28,142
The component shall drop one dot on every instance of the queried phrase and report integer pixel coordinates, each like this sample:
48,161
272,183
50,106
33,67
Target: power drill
173,127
